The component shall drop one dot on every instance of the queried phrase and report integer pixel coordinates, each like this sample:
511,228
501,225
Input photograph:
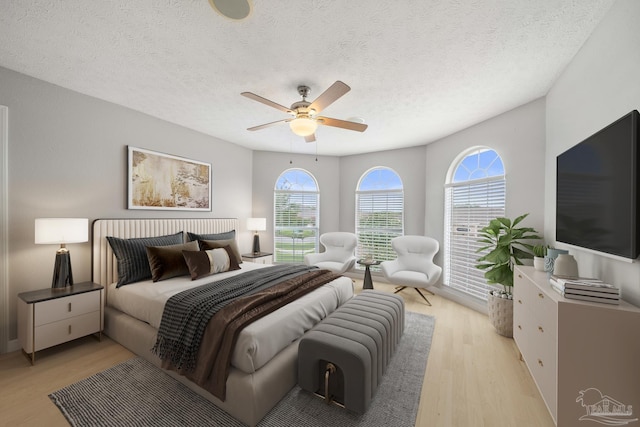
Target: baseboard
13,345
440,290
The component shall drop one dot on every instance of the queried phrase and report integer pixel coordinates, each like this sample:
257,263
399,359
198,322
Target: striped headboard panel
104,267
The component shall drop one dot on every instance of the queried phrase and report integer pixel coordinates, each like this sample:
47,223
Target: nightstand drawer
65,330
64,308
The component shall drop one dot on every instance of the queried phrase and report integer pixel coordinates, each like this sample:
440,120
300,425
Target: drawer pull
519,301
69,307
540,329
540,363
519,276
519,327
69,329
541,295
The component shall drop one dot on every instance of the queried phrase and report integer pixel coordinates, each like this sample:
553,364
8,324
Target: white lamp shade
303,126
257,224
61,230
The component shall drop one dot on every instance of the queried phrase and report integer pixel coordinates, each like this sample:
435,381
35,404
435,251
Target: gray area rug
137,393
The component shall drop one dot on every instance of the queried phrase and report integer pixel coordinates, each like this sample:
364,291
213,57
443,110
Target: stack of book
593,290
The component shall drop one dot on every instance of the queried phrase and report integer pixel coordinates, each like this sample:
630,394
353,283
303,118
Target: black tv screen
597,190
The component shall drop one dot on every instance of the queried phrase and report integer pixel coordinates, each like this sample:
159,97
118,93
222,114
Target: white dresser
49,317
571,346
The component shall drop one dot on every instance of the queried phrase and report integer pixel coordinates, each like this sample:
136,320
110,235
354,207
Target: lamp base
256,244
62,276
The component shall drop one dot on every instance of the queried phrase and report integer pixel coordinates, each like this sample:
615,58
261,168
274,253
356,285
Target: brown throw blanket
221,333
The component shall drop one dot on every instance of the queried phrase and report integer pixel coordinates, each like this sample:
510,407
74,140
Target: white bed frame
249,396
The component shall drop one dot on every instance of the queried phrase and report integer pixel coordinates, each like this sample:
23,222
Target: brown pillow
212,261
215,244
167,261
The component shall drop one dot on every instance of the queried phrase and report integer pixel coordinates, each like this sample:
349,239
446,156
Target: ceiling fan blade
266,102
266,125
310,138
328,97
344,124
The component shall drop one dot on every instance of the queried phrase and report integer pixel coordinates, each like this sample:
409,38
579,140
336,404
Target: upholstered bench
344,357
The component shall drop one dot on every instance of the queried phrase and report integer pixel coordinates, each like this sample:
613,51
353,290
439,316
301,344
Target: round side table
368,283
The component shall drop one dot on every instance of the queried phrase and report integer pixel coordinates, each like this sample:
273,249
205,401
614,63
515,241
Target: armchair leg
400,288
423,297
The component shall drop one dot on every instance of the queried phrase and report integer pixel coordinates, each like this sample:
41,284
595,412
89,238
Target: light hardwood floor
473,375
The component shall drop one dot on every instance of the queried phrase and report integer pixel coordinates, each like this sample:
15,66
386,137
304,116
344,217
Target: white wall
407,162
337,179
518,137
600,85
68,156
268,166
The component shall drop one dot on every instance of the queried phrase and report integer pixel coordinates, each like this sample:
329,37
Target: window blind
296,224
379,218
469,206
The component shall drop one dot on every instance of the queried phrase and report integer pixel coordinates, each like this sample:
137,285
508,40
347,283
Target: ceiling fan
305,119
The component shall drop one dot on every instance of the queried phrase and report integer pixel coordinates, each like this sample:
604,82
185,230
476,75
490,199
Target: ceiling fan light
303,126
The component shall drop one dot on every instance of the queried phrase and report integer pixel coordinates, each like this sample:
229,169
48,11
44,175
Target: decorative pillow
212,261
133,264
167,261
215,244
219,236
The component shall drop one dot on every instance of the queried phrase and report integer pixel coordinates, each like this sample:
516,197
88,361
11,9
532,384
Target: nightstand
48,317
259,258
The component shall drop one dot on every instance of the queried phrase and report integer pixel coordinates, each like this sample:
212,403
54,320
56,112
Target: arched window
379,213
474,194
296,205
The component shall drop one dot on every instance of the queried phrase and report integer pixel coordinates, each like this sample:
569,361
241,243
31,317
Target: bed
263,365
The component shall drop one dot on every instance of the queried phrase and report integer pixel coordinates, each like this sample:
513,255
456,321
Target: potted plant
539,252
506,245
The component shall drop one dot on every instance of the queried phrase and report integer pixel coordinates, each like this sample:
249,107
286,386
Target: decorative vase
538,263
565,265
501,315
550,258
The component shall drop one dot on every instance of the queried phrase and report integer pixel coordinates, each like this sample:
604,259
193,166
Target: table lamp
61,231
256,224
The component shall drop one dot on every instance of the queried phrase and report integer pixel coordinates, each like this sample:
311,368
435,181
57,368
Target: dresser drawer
64,308
54,333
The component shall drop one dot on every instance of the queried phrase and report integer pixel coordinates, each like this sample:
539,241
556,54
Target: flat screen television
597,190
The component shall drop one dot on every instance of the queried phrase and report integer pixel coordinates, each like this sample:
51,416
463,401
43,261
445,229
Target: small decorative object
505,246
165,182
256,224
539,252
550,259
61,231
565,265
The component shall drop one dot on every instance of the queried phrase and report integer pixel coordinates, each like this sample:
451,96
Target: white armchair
339,251
414,265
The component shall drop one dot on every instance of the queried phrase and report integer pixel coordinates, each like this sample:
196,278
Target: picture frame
159,181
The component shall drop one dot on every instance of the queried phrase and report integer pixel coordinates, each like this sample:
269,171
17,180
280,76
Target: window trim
473,279
385,252
276,228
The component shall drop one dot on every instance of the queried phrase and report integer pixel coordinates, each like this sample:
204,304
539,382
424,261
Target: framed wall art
165,182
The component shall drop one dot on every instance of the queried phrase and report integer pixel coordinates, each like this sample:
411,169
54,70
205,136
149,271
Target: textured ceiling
418,69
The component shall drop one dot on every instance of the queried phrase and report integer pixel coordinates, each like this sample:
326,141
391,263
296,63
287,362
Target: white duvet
258,342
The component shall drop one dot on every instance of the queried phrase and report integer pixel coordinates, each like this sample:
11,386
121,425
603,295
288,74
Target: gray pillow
133,264
217,236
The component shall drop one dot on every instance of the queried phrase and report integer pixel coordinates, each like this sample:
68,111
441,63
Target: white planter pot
538,263
501,315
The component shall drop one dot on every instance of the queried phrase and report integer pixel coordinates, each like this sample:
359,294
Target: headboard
104,269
